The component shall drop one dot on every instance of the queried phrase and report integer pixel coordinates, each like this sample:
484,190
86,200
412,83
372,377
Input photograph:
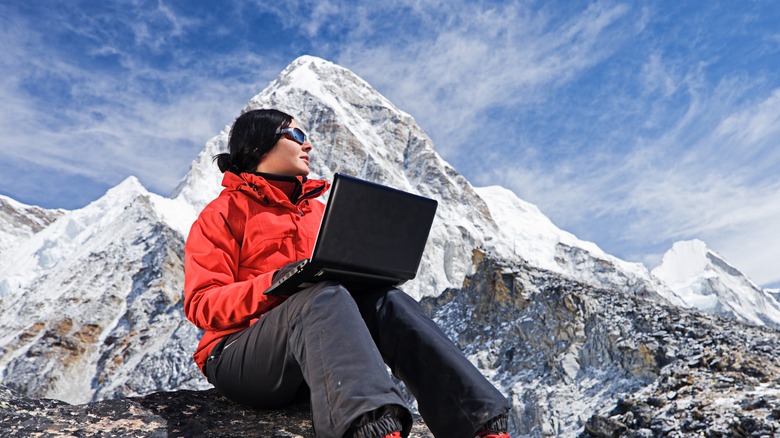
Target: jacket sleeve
213,299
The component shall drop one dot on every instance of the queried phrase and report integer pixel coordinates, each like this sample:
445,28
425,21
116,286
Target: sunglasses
293,134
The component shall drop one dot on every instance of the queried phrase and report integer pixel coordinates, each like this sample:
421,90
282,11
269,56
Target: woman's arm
213,299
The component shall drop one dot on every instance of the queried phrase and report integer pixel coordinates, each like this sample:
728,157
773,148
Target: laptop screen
372,228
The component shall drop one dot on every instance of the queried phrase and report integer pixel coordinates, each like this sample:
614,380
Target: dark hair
252,135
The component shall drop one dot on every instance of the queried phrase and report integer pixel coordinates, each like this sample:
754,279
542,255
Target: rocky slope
91,305
576,358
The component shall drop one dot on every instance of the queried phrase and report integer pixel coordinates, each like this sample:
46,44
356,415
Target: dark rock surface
163,414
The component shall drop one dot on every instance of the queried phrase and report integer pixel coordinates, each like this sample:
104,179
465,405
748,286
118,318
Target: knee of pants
329,297
400,302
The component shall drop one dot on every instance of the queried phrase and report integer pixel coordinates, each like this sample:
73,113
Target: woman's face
287,157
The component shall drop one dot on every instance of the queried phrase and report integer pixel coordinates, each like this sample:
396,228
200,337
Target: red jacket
234,247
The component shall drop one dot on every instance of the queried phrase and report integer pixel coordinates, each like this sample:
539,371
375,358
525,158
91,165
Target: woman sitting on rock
266,351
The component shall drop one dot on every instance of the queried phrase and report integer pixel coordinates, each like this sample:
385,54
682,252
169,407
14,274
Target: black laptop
370,235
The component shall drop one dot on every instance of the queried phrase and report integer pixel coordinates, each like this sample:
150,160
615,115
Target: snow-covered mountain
20,221
90,306
706,281
90,299
91,302
538,242
357,131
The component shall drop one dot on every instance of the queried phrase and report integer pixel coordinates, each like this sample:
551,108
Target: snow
66,238
528,234
706,281
20,265
19,221
774,293
177,213
683,261
16,205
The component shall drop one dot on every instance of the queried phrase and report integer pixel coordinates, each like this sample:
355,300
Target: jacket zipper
312,194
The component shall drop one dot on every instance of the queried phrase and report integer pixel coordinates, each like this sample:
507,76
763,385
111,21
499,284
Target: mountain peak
684,260
355,130
691,258
308,63
305,72
19,221
706,281
311,73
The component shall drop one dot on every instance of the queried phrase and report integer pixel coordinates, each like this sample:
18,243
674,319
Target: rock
639,433
604,427
163,414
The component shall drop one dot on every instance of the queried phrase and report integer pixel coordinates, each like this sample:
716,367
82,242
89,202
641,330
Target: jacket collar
291,186
265,189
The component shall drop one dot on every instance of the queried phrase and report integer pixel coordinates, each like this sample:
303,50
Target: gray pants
337,345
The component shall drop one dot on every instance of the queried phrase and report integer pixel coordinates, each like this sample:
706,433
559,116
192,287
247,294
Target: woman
267,351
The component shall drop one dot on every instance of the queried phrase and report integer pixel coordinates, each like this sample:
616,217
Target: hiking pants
337,345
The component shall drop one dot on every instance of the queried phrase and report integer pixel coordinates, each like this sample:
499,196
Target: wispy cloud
471,60
131,114
710,176
631,126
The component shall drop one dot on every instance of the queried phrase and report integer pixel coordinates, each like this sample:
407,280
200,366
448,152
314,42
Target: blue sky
630,124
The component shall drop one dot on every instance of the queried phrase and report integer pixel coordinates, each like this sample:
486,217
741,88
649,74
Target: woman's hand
281,272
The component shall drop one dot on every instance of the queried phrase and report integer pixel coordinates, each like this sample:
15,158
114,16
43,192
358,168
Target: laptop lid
373,229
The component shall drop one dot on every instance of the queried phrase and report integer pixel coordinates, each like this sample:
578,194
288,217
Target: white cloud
752,131
657,77
751,243
136,119
586,112
477,60
722,188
